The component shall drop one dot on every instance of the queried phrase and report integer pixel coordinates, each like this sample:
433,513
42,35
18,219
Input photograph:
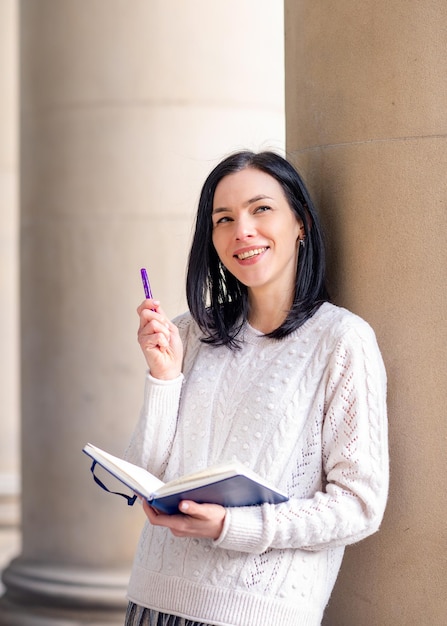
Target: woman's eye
222,220
261,209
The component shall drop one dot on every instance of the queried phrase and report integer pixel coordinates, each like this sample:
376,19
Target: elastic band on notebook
130,499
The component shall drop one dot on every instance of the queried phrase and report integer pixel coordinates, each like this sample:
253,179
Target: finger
199,511
146,315
149,315
154,334
150,305
150,511
157,341
153,327
157,518
146,310
187,507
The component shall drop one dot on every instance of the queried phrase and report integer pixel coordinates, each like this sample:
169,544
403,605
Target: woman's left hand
193,520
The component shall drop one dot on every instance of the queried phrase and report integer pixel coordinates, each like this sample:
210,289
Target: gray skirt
140,616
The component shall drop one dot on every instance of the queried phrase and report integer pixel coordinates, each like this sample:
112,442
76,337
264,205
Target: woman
265,370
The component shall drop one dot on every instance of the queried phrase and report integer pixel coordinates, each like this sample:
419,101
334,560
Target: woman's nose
244,227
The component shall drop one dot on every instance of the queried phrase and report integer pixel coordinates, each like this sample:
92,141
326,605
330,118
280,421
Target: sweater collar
253,336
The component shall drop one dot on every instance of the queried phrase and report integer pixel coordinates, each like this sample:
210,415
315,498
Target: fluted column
366,109
125,107
9,387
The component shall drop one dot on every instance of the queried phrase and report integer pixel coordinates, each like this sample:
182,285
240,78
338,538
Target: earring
302,242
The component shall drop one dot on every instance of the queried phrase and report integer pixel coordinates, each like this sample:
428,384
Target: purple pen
146,284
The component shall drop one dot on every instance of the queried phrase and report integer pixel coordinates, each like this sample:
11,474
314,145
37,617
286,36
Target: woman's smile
252,254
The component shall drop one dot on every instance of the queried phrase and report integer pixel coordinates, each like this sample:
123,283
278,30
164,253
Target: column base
51,595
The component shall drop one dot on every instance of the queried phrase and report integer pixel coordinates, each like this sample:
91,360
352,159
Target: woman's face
255,232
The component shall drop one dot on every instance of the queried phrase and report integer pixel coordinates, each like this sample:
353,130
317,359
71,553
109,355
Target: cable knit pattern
308,413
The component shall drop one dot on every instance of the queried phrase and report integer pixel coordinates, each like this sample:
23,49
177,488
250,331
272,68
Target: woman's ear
302,232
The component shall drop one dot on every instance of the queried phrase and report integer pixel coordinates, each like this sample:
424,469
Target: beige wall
9,404
366,107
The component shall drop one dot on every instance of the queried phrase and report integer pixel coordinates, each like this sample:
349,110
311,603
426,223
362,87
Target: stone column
366,109
9,388
125,107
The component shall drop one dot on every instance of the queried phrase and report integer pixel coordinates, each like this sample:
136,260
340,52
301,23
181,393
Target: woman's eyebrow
246,203
257,198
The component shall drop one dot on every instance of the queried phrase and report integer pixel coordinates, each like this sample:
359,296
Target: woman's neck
267,314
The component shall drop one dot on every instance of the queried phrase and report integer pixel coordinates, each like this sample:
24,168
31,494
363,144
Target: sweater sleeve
151,441
152,438
354,463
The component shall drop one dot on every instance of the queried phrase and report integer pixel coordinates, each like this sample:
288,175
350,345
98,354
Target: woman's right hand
160,341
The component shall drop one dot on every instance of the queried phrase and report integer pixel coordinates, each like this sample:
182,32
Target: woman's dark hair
217,300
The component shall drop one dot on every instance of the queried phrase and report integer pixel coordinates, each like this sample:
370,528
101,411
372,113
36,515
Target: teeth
250,253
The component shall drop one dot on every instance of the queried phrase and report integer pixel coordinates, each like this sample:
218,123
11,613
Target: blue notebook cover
237,490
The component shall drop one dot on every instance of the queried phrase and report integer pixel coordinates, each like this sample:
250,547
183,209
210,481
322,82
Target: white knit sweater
308,413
